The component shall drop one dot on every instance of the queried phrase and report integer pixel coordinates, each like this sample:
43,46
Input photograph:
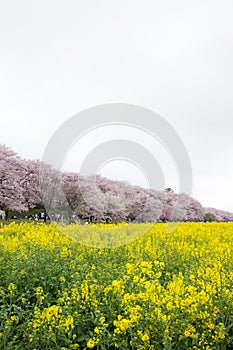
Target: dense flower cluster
161,291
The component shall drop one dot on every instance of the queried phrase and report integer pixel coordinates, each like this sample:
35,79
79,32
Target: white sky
174,57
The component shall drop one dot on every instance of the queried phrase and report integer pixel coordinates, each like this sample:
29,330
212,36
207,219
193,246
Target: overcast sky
174,57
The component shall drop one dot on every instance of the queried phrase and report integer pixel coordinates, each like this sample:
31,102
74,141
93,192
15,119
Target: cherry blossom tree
30,183
220,215
12,175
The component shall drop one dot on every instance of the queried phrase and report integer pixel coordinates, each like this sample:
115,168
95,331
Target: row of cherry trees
26,183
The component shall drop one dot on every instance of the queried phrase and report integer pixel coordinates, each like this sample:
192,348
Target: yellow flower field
61,289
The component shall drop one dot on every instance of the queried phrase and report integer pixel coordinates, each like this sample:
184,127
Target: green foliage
209,217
